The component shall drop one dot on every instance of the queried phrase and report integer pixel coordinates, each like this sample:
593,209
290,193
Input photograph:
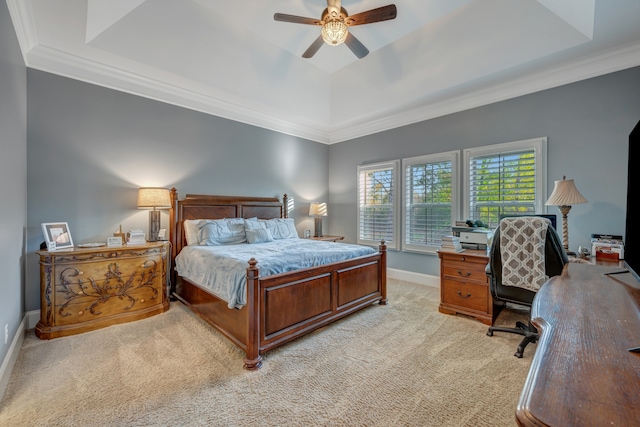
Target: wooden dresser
464,285
87,289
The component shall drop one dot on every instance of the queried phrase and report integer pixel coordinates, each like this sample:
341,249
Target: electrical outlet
6,333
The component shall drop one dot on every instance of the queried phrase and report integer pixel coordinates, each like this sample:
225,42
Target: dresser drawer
474,261
91,308
110,270
464,294
466,272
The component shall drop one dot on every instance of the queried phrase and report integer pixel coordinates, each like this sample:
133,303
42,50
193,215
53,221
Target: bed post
173,237
253,360
285,206
383,272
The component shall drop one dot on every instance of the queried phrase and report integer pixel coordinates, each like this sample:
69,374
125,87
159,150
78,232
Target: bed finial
285,206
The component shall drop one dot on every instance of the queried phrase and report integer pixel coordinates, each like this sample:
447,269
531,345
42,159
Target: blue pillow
220,232
280,228
259,235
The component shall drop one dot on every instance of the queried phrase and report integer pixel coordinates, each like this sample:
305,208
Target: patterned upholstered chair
525,252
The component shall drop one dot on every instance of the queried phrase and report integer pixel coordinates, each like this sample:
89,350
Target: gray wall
13,181
587,125
91,148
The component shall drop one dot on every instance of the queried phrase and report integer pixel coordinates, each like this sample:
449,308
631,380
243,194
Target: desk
582,373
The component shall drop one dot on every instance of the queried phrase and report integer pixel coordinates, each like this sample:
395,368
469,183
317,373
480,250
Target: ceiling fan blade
356,47
383,13
317,44
283,17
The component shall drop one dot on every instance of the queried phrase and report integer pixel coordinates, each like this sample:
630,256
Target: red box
607,253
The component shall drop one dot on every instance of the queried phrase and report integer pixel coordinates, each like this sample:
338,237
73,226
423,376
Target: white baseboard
33,317
409,276
12,356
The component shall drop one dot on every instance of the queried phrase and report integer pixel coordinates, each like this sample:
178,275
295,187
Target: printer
473,237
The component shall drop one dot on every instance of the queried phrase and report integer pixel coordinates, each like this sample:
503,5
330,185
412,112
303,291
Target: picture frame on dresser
57,235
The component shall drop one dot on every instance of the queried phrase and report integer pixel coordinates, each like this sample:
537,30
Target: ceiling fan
335,22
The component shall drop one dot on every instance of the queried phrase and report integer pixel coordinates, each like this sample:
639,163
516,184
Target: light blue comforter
222,269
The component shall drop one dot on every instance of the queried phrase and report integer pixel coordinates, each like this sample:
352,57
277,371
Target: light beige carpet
404,364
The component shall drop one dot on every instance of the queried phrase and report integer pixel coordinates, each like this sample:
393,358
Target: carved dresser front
87,289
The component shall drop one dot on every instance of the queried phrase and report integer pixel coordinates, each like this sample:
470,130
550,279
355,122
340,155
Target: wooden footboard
281,307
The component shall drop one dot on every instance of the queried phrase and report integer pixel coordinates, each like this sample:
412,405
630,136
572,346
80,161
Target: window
378,204
430,200
505,178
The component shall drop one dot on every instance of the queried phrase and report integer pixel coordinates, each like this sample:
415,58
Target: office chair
531,256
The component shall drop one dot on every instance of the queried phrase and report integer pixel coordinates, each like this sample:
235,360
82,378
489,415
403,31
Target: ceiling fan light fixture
334,32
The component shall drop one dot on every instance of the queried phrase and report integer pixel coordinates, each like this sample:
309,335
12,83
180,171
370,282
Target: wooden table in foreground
582,373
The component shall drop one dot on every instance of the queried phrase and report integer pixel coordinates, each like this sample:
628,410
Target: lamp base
564,210
318,223
154,225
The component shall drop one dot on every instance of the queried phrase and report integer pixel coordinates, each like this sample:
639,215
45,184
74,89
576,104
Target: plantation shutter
377,204
502,183
430,200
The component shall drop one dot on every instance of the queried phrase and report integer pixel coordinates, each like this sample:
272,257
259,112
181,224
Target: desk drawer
472,296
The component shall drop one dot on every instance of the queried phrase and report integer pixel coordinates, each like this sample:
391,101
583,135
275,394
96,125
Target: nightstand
86,289
326,238
464,285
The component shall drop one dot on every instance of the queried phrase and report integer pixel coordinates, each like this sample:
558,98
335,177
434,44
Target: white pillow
280,228
191,228
228,231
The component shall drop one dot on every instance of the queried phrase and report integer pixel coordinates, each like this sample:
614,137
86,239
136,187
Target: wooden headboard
201,206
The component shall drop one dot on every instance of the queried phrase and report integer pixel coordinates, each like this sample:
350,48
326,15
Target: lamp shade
154,197
565,193
318,209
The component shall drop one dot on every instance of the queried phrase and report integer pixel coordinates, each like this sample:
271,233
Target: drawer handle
80,313
467,274
464,296
141,300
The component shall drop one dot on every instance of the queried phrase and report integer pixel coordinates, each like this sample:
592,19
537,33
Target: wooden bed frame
281,307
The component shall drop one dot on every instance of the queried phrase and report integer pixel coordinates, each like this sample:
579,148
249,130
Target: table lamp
564,195
318,210
154,198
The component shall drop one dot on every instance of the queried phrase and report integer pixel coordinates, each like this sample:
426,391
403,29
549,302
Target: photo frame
57,235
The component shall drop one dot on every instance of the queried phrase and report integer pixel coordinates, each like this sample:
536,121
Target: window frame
394,165
538,145
454,158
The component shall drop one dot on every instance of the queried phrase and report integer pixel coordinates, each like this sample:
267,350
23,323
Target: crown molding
593,66
73,66
25,28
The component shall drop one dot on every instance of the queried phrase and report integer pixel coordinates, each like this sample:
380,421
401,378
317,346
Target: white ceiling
231,59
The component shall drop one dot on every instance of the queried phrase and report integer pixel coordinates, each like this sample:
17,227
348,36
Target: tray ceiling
231,59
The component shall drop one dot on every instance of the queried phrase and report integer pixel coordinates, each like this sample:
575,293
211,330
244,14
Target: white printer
473,237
